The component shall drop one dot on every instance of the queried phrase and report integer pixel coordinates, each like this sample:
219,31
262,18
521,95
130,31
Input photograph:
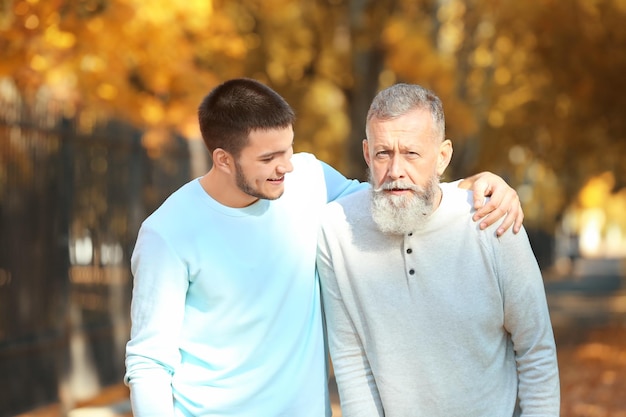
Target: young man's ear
445,155
223,161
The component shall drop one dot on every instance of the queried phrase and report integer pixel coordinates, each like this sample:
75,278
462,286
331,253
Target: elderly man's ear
445,155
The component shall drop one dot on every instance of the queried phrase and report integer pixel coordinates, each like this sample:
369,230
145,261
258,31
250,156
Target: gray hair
400,99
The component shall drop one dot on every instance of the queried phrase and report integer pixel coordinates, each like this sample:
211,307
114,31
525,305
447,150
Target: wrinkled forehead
415,126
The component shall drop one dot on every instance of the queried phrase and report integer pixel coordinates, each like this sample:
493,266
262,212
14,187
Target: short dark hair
236,107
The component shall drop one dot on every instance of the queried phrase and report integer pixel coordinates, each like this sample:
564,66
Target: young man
426,314
226,310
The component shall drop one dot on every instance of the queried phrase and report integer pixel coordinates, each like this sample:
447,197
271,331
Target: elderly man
428,315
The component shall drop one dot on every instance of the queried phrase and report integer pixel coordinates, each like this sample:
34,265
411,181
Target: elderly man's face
405,157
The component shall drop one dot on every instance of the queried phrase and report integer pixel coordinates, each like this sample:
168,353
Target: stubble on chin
246,186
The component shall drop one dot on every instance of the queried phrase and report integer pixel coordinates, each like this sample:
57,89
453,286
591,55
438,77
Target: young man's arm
504,201
503,204
157,311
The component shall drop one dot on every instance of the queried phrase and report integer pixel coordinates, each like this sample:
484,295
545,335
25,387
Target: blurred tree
128,58
533,91
544,80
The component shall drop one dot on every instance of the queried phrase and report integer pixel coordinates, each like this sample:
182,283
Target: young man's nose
285,167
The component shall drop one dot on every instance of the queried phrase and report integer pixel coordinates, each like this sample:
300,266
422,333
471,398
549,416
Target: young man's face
263,163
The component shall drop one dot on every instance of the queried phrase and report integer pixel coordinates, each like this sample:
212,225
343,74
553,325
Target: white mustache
398,185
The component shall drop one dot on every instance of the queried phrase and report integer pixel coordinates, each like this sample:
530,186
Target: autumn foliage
532,90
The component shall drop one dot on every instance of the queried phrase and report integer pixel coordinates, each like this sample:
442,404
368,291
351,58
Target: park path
588,311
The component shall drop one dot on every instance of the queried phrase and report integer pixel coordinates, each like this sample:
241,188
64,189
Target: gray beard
403,214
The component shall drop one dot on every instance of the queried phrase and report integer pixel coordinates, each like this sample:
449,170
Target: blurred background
98,104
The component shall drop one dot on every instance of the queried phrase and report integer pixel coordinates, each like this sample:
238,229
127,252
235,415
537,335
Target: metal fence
73,193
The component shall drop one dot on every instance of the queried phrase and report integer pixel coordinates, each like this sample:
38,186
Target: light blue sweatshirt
226,315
